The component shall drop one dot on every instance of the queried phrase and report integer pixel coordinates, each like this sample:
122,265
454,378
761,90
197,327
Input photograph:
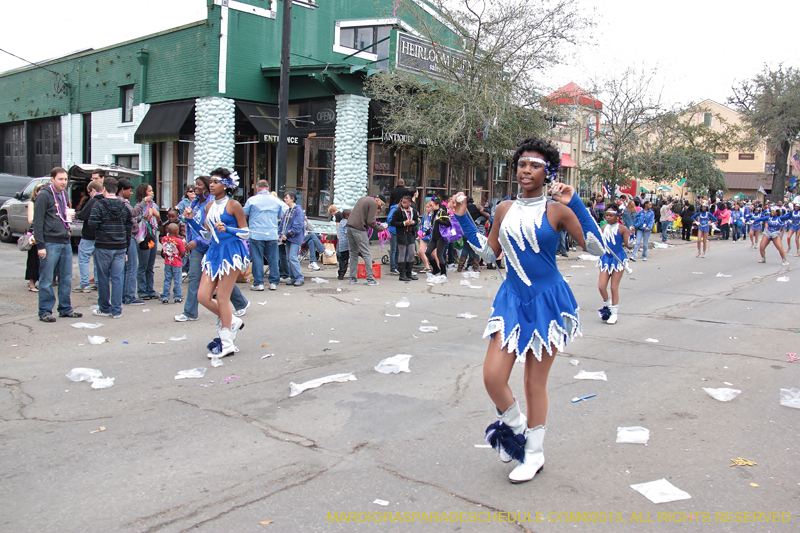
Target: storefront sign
418,55
381,168
326,116
274,139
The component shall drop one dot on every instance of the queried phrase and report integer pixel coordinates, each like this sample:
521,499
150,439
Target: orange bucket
362,271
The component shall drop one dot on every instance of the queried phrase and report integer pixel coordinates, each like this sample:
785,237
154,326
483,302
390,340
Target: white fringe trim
555,336
239,263
611,269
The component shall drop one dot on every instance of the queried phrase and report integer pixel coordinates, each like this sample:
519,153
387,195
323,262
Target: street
232,450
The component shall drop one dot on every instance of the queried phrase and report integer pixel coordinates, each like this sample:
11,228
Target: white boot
236,324
226,337
613,318
534,456
514,419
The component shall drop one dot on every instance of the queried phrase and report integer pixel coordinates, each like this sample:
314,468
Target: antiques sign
423,57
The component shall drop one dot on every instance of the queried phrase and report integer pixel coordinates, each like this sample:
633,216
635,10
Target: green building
179,103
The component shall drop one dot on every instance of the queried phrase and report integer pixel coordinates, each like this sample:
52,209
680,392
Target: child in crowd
172,249
343,248
173,217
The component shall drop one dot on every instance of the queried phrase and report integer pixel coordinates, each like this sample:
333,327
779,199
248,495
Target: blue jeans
195,273
85,252
664,227
313,239
172,275
145,274
292,251
258,251
562,243
131,261
284,265
642,236
393,252
109,268
57,261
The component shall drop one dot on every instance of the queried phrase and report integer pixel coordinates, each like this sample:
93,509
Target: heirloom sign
418,55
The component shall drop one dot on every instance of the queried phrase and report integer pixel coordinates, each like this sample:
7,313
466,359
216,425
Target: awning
264,118
163,122
567,162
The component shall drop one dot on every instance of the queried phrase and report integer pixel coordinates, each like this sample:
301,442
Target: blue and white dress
774,225
704,219
534,306
227,250
607,262
794,223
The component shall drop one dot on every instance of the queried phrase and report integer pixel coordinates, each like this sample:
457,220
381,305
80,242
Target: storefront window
382,172
458,178
437,174
320,176
294,172
411,168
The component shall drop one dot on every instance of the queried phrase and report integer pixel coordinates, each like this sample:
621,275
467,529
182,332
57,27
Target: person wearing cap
772,232
703,219
362,216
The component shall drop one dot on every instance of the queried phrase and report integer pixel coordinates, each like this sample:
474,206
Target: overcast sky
700,47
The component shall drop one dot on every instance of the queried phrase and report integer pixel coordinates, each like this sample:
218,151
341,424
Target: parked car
14,211
10,185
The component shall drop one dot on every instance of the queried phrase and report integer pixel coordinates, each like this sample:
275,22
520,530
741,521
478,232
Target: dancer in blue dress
703,219
612,263
227,257
793,228
534,314
772,232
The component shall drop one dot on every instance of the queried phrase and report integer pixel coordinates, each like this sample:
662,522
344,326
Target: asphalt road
232,450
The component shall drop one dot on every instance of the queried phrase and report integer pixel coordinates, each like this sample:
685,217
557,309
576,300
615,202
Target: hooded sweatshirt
111,220
48,227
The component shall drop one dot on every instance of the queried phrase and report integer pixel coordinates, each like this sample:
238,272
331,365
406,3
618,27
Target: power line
31,62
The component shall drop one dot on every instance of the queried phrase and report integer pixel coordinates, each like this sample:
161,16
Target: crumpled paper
783,279
97,339
102,383
660,491
395,364
723,394
85,325
599,376
94,376
428,329
296,389
633,435
790,398
402,303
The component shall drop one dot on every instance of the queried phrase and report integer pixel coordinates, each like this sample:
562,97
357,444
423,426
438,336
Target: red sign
380,168
629,189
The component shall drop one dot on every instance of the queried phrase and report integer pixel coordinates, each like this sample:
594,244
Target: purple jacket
293,225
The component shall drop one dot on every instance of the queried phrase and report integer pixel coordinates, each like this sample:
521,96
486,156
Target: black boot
402,268
410,272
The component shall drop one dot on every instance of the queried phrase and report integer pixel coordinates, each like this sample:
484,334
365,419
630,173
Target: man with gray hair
362,216
263,211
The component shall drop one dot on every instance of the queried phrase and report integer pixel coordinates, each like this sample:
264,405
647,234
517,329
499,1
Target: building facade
177,104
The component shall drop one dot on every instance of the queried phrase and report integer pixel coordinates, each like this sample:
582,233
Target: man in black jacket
111,221
51,232
86,246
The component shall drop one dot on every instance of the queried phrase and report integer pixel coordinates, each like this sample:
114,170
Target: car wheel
5,229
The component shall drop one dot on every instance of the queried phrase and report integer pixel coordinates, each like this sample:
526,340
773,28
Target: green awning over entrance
163,122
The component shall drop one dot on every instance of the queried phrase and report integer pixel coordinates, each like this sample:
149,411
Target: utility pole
283,99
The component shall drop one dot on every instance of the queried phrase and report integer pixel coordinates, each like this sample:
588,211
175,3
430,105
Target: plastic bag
191,373
85,325
84,374
395,364
402,303
790,398
428,329
296,389
96,339
599,376
102,383
723,394
660,491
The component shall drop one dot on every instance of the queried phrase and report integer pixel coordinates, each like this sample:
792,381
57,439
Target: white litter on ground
466,315
102,383
723,394
428,329
381,502
660,245
84,325
650,340
599,376
783,279
181,338
578,266
320,280
573,362
395,364
92,375
790,398
434,280
216,362
696,272
333,342
192,373
721,275
295,389
402,303
660,491
262,303
96,339
633,435
268,355
393,316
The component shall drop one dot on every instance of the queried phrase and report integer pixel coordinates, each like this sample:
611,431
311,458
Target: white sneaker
241,312
329,253
273,286
97,312
256,287
183,317
313,265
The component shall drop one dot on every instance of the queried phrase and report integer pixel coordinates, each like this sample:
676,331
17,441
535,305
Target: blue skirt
226,255
608,263
551,317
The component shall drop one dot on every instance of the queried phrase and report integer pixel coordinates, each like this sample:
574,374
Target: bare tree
770,103
486,94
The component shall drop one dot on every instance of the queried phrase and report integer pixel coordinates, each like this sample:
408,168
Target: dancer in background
772,232
534,313
612,265
703,218
793,230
